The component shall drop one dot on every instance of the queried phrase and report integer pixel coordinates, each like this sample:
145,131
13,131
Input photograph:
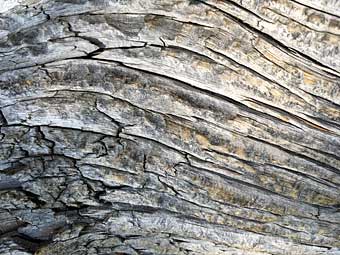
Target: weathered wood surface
170,127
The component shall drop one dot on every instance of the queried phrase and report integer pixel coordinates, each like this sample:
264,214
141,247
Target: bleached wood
170,127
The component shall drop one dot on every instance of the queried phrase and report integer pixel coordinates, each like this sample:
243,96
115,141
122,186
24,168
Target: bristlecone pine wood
177,127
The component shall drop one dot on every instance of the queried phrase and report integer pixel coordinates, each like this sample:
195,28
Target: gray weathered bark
170,127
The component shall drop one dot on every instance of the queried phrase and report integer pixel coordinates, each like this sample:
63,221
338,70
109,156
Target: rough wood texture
170,127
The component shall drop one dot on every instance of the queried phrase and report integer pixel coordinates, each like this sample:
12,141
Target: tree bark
170,127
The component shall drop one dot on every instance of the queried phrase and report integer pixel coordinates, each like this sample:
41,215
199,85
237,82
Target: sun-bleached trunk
170,127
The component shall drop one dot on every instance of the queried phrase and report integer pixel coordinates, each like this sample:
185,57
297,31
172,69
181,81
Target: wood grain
170,127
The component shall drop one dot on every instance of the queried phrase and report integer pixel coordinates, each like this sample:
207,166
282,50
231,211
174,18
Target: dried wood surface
170,127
